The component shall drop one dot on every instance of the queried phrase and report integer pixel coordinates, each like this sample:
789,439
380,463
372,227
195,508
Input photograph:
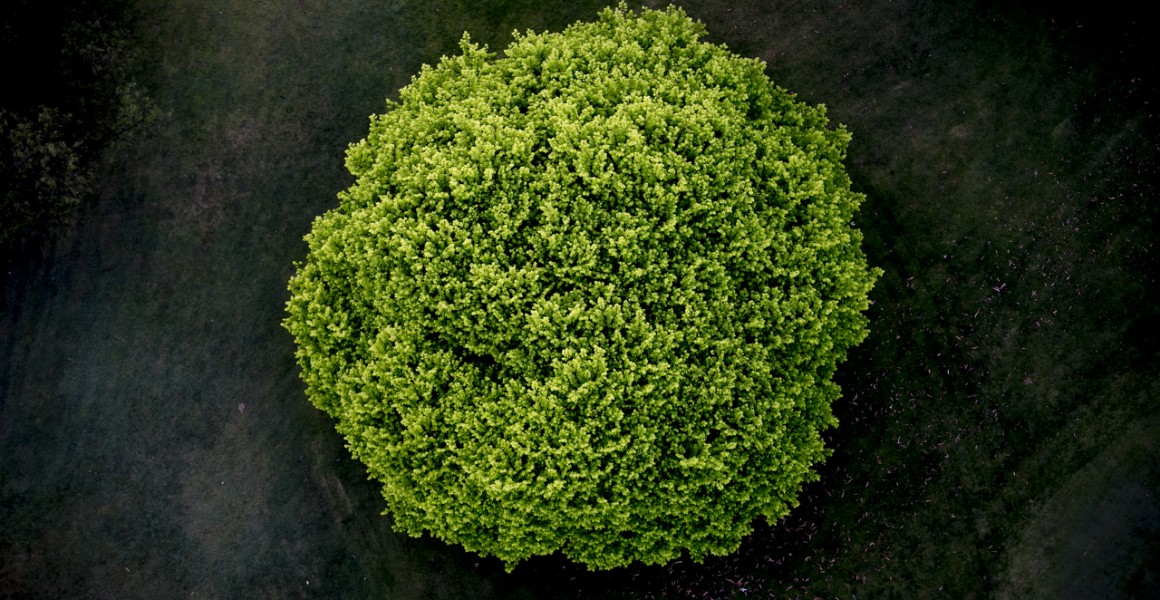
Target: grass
998,423
1090,537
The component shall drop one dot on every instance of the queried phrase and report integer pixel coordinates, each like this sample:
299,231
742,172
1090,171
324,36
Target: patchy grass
1095,536
1004,402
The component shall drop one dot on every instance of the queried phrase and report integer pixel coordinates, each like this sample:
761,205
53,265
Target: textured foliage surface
588,296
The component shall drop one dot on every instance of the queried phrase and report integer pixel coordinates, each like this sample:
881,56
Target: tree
70,95
588,296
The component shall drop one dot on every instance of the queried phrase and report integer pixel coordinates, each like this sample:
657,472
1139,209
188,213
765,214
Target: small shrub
587,297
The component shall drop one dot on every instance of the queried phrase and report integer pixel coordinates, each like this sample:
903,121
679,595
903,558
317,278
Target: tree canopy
588,296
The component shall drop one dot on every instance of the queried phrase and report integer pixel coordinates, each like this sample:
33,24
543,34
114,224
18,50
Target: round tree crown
587,297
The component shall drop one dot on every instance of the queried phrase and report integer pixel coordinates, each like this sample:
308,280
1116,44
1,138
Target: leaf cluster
587,297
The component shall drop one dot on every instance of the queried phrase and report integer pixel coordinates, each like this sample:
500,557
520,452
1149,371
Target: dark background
998,430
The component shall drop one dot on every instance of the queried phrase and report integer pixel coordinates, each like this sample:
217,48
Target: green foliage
587,297
43,174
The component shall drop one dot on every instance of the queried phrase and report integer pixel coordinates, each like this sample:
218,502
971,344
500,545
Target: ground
997,425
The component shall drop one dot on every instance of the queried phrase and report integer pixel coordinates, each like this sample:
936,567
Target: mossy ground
1008,156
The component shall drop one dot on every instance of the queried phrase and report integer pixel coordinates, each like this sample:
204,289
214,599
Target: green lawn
998,424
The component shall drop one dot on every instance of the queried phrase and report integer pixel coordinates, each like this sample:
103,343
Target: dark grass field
999,436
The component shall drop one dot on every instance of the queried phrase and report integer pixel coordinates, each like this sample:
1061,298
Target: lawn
998,428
